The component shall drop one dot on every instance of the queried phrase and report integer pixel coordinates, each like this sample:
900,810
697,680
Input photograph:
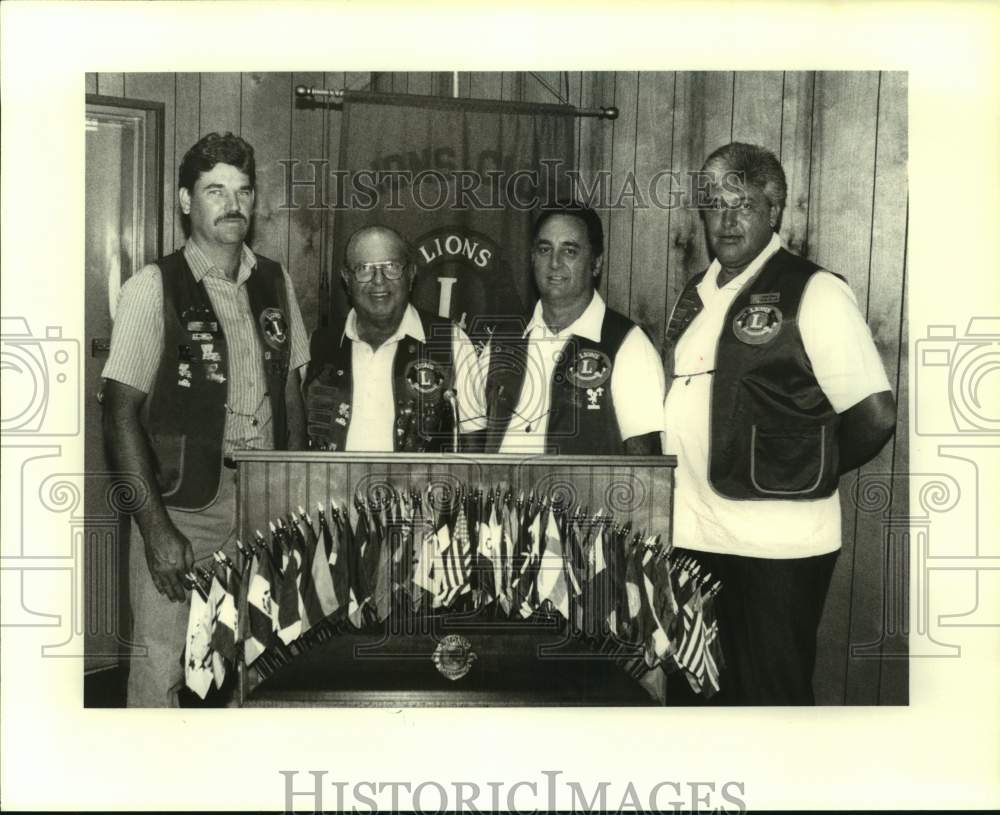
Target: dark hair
591,220
756,165
215,149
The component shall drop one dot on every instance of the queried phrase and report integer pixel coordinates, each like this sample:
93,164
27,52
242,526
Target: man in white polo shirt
582,378
776,390
389,378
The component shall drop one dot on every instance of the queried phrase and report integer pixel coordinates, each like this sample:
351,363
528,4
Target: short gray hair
755,165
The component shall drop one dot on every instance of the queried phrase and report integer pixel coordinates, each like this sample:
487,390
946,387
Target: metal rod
307,92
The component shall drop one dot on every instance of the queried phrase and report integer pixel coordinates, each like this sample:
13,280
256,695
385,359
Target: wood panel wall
841,137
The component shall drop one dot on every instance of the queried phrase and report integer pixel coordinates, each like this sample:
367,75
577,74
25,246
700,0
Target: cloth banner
462,180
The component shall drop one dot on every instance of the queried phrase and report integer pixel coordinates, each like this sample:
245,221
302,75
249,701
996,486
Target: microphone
451,399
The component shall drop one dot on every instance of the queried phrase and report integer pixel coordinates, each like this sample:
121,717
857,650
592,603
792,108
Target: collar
410,325
588,325
743,277
201,266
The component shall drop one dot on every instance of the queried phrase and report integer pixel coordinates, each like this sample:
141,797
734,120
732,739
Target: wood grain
221,103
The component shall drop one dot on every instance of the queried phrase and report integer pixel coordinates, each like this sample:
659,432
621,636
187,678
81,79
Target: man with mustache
205,357
776,390
389,377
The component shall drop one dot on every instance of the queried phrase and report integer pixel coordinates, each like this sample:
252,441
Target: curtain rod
307,92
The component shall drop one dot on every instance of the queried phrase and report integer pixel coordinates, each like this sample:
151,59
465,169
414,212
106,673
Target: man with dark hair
777,389
205,357
581,378
389,377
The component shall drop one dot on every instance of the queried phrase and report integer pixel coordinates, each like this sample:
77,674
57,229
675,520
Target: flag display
481,551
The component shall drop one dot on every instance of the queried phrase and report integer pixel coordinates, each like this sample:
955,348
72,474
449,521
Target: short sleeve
838,342
300,339
137,334
637,386
470,382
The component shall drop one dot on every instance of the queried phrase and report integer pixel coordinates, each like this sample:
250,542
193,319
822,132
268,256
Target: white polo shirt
373,412
637,382
848,369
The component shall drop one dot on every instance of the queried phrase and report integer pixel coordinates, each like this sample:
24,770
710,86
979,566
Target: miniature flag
311,608
423,571
289,617
224,620
335,539
552,586
322,578
525,594
198,652
259,609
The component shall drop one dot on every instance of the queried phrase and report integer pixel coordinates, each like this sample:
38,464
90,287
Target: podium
462,656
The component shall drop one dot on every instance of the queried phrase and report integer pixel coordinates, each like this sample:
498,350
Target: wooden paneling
485,84
885,308
161,88
594,152
618,238
187,131
306,212
796,157
843,173
841,138
111,84
266,121
894,680
757,108
221,101
651,222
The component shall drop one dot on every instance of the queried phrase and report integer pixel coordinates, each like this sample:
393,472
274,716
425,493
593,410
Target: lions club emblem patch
589,369
273,327
424,377
453,656
757,324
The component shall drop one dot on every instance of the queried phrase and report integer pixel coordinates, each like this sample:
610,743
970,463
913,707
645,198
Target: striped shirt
137,342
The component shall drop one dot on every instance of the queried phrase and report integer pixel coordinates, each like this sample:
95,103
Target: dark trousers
768,612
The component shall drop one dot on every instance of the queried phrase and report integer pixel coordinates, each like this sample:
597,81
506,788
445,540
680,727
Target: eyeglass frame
378,266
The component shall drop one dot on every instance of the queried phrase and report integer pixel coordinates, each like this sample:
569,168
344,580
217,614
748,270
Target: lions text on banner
462,180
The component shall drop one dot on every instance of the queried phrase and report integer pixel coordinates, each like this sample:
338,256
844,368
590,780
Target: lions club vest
422,378
773,431
185,414
582,417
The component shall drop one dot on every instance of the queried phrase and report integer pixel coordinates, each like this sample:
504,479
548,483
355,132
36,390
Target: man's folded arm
865,428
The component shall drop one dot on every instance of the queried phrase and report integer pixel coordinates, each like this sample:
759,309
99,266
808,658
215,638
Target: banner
460,179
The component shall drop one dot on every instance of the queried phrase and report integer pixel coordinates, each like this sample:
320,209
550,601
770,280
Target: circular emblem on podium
453,656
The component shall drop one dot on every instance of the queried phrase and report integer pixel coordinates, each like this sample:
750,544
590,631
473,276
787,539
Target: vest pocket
788,461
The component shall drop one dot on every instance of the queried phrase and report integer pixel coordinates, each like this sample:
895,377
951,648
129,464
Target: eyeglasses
390,269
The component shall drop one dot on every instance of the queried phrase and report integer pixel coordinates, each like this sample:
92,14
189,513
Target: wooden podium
506,662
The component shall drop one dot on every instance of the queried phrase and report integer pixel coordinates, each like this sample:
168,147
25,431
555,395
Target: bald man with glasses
389,377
